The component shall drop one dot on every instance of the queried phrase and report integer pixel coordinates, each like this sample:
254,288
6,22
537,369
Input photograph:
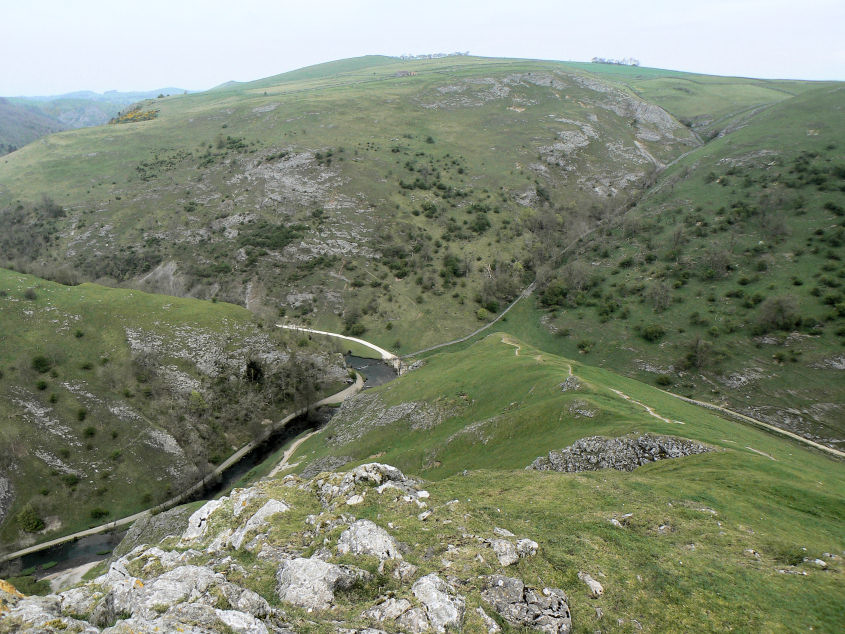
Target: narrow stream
97,547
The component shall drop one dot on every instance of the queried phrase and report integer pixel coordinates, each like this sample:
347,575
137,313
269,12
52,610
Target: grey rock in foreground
443,607
625,453
546,610
366,538
208,573
311,583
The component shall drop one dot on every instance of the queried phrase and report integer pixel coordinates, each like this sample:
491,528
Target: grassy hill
23,120
708,537
411,200
112,400
356,162
725,280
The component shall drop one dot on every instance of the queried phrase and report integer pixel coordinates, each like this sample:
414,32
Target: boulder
414,621
367,538
198,522
521,606
443,607
526,547
257,520
389,609
505,551
311,583
596,589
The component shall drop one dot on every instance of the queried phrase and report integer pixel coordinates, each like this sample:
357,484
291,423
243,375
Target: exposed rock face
6,497
546,610
328,463
625,453
366,538
367,411
153,528
198,522
337,486
209,577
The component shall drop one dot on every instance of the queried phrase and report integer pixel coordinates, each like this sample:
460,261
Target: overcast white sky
56,46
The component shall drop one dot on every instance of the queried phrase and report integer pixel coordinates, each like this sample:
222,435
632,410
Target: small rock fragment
596,589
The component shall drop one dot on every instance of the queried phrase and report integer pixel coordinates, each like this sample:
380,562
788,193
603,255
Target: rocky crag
623,454
290,555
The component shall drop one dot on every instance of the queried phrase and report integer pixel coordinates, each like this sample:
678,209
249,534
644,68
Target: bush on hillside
778,313
29,520
41,364
653,333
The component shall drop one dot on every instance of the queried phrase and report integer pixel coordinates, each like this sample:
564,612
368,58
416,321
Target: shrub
778,313
585,345
30,294
663,380
41,364
90,431
70,479
29,520
653,332
81,413
254,371
98,513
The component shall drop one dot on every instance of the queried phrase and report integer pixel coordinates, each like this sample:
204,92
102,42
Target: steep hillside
707,542
113,400
20,125
725,281
361,193
412,200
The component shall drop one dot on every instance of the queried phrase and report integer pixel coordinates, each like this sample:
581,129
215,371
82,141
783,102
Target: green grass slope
725,282
708,537
359,193
411,200
112,400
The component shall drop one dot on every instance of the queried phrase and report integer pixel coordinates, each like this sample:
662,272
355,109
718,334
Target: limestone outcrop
288,555
625,453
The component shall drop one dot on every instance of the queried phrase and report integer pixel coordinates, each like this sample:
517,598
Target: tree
658,295
778,313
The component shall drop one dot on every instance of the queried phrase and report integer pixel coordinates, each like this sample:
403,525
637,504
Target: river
98,547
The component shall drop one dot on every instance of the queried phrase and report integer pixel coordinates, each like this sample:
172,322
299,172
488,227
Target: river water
375,371
97,547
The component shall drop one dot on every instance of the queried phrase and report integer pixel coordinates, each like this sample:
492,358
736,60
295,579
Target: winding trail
759,423
386,355
289,452
650,410
528,290
197,487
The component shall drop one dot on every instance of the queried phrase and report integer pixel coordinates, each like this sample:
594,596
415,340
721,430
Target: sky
50,47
